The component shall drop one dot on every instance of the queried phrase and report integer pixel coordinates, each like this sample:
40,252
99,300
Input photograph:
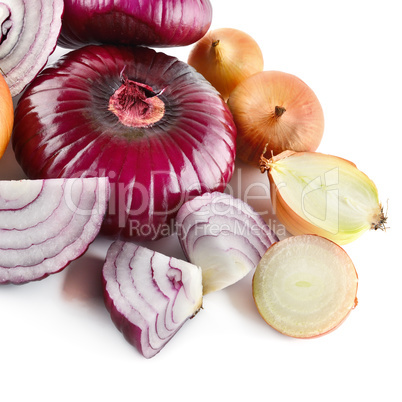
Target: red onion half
45,224
224,236
149,295
28,35
150,122
152,23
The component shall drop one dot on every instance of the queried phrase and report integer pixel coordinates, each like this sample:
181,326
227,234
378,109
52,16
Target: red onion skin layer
63,128
20,61
142,274
131,333
73,244
216,225
155,23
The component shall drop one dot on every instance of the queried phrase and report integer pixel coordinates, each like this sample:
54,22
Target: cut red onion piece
28,35
224,236
45,224
152,23
150,122
149,295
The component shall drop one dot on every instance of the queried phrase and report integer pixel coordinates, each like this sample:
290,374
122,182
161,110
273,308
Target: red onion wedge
28,35
151,123
45,224
224,236
154,23
149,295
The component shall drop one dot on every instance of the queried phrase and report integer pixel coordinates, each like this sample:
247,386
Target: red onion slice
224,236
45,224
28,35
149,295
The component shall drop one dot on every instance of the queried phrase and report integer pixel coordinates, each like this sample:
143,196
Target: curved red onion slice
224,236
149,295
28,35
45,224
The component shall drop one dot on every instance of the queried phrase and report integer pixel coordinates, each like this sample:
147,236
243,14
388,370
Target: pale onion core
305,286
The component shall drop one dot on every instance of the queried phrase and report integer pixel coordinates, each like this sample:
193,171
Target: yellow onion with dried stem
277,108
315,193
225,57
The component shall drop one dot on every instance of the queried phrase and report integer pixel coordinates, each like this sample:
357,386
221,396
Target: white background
57,341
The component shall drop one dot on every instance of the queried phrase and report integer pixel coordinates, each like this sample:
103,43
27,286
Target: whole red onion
152,23
151,123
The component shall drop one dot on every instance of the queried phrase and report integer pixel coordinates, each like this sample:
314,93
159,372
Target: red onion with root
151,123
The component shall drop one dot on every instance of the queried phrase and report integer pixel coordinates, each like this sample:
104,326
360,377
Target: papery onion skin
223,235
149,295
155,23
31,29
225,57
46,224
339,215
65,128
278,109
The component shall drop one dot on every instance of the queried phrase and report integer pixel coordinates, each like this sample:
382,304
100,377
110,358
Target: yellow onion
276,108
305,286
225,57
6,115
315,193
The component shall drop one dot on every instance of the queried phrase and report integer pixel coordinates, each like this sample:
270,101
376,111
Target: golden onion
276,108
6,115
225,57
314,193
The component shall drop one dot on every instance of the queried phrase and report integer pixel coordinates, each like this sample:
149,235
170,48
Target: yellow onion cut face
315,193
305,286
226,57
278,109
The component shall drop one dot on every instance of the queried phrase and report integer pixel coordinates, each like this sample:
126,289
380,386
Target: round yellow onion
278,109
6,115
225,57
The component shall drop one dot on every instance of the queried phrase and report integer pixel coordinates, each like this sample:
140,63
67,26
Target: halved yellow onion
315,193
305,286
